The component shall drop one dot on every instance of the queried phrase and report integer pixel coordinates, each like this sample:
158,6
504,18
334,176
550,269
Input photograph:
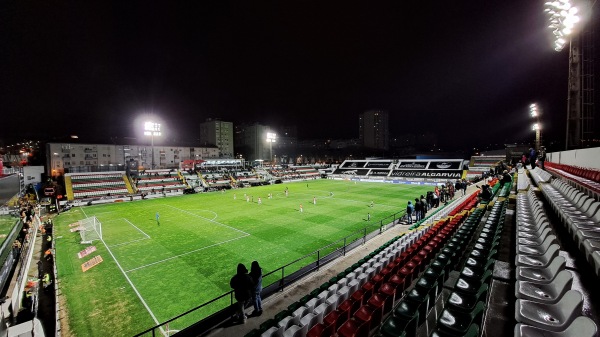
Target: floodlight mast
568,24
271,138
152,129
535,112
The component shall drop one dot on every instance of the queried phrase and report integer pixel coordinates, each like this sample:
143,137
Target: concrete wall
589,158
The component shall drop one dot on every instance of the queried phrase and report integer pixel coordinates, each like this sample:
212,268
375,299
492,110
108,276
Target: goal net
90,229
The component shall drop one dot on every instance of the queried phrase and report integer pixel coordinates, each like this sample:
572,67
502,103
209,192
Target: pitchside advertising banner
431,174
447,165
354,172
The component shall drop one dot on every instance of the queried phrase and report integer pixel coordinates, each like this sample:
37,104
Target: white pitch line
130,282
186,253
129,222
211,220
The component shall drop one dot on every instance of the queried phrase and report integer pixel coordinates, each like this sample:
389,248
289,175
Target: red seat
388,290
378,302
320,330
367,289
358,299
353,328
398,282
377,281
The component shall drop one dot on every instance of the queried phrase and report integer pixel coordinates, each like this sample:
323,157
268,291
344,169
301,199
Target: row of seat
587,178
464,309
546,305
103,191
360,290
77,185
469,202
93,177
580,214
382,271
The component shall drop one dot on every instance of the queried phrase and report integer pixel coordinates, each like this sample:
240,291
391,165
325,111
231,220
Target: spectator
418,209
486,194
256,275
542,157
532,157
423,207
242,286
409,212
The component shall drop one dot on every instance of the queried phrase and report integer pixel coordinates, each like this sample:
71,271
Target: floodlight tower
271,138
566,24
535,112
152,129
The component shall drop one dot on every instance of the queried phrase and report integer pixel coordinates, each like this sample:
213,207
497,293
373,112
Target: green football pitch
155,270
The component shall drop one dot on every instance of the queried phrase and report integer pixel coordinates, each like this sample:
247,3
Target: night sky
464,70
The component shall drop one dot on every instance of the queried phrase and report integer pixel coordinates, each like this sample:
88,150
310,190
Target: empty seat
545,292
581,327
552,317
541,275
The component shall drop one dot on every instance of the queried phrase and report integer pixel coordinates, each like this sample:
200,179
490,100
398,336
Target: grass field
154,271
6,225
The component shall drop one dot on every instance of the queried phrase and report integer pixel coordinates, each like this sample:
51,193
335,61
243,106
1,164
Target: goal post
90,230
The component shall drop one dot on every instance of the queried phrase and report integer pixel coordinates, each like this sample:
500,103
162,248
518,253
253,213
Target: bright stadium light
563,17
271,138
535,111
153,130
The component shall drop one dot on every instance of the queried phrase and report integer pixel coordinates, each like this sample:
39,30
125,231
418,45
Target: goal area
90,229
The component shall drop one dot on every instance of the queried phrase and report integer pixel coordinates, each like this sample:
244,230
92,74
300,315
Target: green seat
465,285
419,297
466,302
253,333
281,315
396,327
304,299
472,332
264,326
292,307
430,287
477,273
456,323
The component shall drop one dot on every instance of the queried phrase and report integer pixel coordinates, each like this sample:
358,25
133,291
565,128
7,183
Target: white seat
552,317
541,275
545,293
581,327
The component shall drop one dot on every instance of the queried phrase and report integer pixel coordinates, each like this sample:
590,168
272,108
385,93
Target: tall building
218,133
374,129
69,157
251,142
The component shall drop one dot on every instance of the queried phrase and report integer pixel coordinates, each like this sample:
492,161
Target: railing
217,310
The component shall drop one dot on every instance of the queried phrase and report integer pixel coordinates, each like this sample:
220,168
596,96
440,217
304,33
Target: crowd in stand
443,193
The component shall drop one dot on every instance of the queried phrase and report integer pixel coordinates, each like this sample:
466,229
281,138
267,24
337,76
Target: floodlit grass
154,271
6,225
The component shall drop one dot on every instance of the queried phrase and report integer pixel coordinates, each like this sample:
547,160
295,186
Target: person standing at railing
242,286
409,212
256,275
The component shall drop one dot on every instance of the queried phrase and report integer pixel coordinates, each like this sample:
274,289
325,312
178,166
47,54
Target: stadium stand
585,179
159,181
85,185
546,303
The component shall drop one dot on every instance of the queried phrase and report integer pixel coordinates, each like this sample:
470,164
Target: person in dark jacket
256,275
243,287
418,207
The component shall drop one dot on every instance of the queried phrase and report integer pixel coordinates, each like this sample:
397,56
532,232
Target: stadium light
271,138
563,17
535,111
152,129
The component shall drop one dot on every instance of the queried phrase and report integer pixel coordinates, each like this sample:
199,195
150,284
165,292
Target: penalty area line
186,253
130,282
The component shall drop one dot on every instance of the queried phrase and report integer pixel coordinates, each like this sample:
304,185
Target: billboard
437,174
